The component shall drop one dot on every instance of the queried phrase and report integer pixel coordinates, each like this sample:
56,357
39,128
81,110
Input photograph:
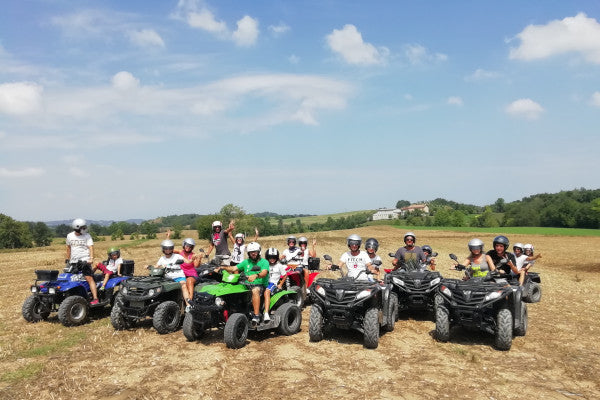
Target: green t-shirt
247,265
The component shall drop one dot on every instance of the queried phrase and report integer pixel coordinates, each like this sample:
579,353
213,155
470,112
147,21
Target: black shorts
86,269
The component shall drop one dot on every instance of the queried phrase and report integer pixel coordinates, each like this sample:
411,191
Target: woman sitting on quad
256,270
192,261
476,263
113,265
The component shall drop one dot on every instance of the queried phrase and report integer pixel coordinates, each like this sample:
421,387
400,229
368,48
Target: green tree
42,235
402,203
14,234
62,230
499,205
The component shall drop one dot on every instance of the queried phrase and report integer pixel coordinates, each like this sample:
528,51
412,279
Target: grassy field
559,358
320,218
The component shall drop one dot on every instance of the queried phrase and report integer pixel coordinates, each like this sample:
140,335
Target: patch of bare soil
559,358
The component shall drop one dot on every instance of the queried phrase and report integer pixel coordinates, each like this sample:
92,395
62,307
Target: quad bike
414,287
228,305
487,303
69,293
350,303
295,280
152,296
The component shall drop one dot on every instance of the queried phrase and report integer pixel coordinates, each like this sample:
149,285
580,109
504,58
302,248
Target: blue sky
137,109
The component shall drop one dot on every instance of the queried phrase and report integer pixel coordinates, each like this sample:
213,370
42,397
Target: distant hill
91,221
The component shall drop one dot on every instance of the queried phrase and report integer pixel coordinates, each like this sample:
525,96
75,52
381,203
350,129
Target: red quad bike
295,280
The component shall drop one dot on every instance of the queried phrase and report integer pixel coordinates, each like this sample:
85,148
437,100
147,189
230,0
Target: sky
137,109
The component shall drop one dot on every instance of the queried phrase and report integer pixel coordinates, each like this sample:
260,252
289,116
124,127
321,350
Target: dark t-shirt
410,259
219,240
497,258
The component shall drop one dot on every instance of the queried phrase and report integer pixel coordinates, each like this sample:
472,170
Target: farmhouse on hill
395,213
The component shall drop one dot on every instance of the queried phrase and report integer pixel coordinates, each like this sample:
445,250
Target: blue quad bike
69,293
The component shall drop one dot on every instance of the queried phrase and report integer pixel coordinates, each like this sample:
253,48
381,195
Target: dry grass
559,358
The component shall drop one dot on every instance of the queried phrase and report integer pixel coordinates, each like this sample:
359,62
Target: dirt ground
559,358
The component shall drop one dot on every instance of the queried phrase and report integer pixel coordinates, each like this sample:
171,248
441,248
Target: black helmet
372,243
272,253
427,248
503,240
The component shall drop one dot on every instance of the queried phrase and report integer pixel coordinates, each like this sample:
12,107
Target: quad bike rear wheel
535,292
73,311
521,330
392,313
291,318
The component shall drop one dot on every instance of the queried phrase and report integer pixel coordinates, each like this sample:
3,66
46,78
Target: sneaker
94,302
255,320
188,308
266,317
102,288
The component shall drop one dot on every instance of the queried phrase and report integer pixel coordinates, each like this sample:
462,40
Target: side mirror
453,256
335,267
179,262
327,257
377,263
393,255
435,254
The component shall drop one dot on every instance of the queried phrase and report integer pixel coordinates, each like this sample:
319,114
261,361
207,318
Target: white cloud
525,108
348,43
482,74
125,81
578,34
595,101
455,101
278,30
20,98
247,31
146,38
418,54
205,20
21,173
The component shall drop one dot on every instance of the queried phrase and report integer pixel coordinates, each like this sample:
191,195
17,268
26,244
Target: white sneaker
266,317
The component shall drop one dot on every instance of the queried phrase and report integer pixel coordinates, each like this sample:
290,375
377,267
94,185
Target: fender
112,282
279,295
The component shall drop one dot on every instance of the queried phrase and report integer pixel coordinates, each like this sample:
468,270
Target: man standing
80,247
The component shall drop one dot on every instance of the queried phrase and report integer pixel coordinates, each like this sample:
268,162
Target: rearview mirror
453,256
335,268
179,262
327,257
393,255
377,263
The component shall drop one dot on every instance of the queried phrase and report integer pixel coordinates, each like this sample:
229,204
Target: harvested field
558,359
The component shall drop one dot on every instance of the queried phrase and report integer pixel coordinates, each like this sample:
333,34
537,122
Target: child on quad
277,273
238,253
429,258
173,270
80,247
256,270
112,266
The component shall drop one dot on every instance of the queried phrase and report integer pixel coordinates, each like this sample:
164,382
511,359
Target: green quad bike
149,296
228,305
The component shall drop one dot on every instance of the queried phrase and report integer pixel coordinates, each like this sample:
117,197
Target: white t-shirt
238,254
113,265
79,246
276,271
293,256
173,270
376,258
356,264
521,261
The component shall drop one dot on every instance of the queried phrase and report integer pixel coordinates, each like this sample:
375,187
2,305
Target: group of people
267,275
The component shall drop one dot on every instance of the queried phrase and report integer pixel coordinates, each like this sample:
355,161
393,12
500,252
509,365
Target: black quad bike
349,303
149,296
227,305
488,304
414,287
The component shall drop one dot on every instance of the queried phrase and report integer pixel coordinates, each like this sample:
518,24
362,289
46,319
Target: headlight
34,289
151,292
52,290
398,281
124,290
320,290
219,302
493,295
363,294
434,282
446,291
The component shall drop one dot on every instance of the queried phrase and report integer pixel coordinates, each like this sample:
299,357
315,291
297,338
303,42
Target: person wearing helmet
304,254
429,258
80,247
410,256
356,261
169,261
277,274
371,246
476,263
192,261
218,241
112,265
238,253
500,259
525,260
256,270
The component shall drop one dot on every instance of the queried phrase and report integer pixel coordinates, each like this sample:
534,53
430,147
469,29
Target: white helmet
302,239
476,244
167,245
519,245
407,234
216,223
240,236
528,246
291,239
354,239
253,246
189,241
78,223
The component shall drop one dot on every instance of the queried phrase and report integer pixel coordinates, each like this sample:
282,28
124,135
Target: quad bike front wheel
371,328
392,313
34,310
167,317
191,330
504,329
315,324
442,323
73,311
236,331
118,320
